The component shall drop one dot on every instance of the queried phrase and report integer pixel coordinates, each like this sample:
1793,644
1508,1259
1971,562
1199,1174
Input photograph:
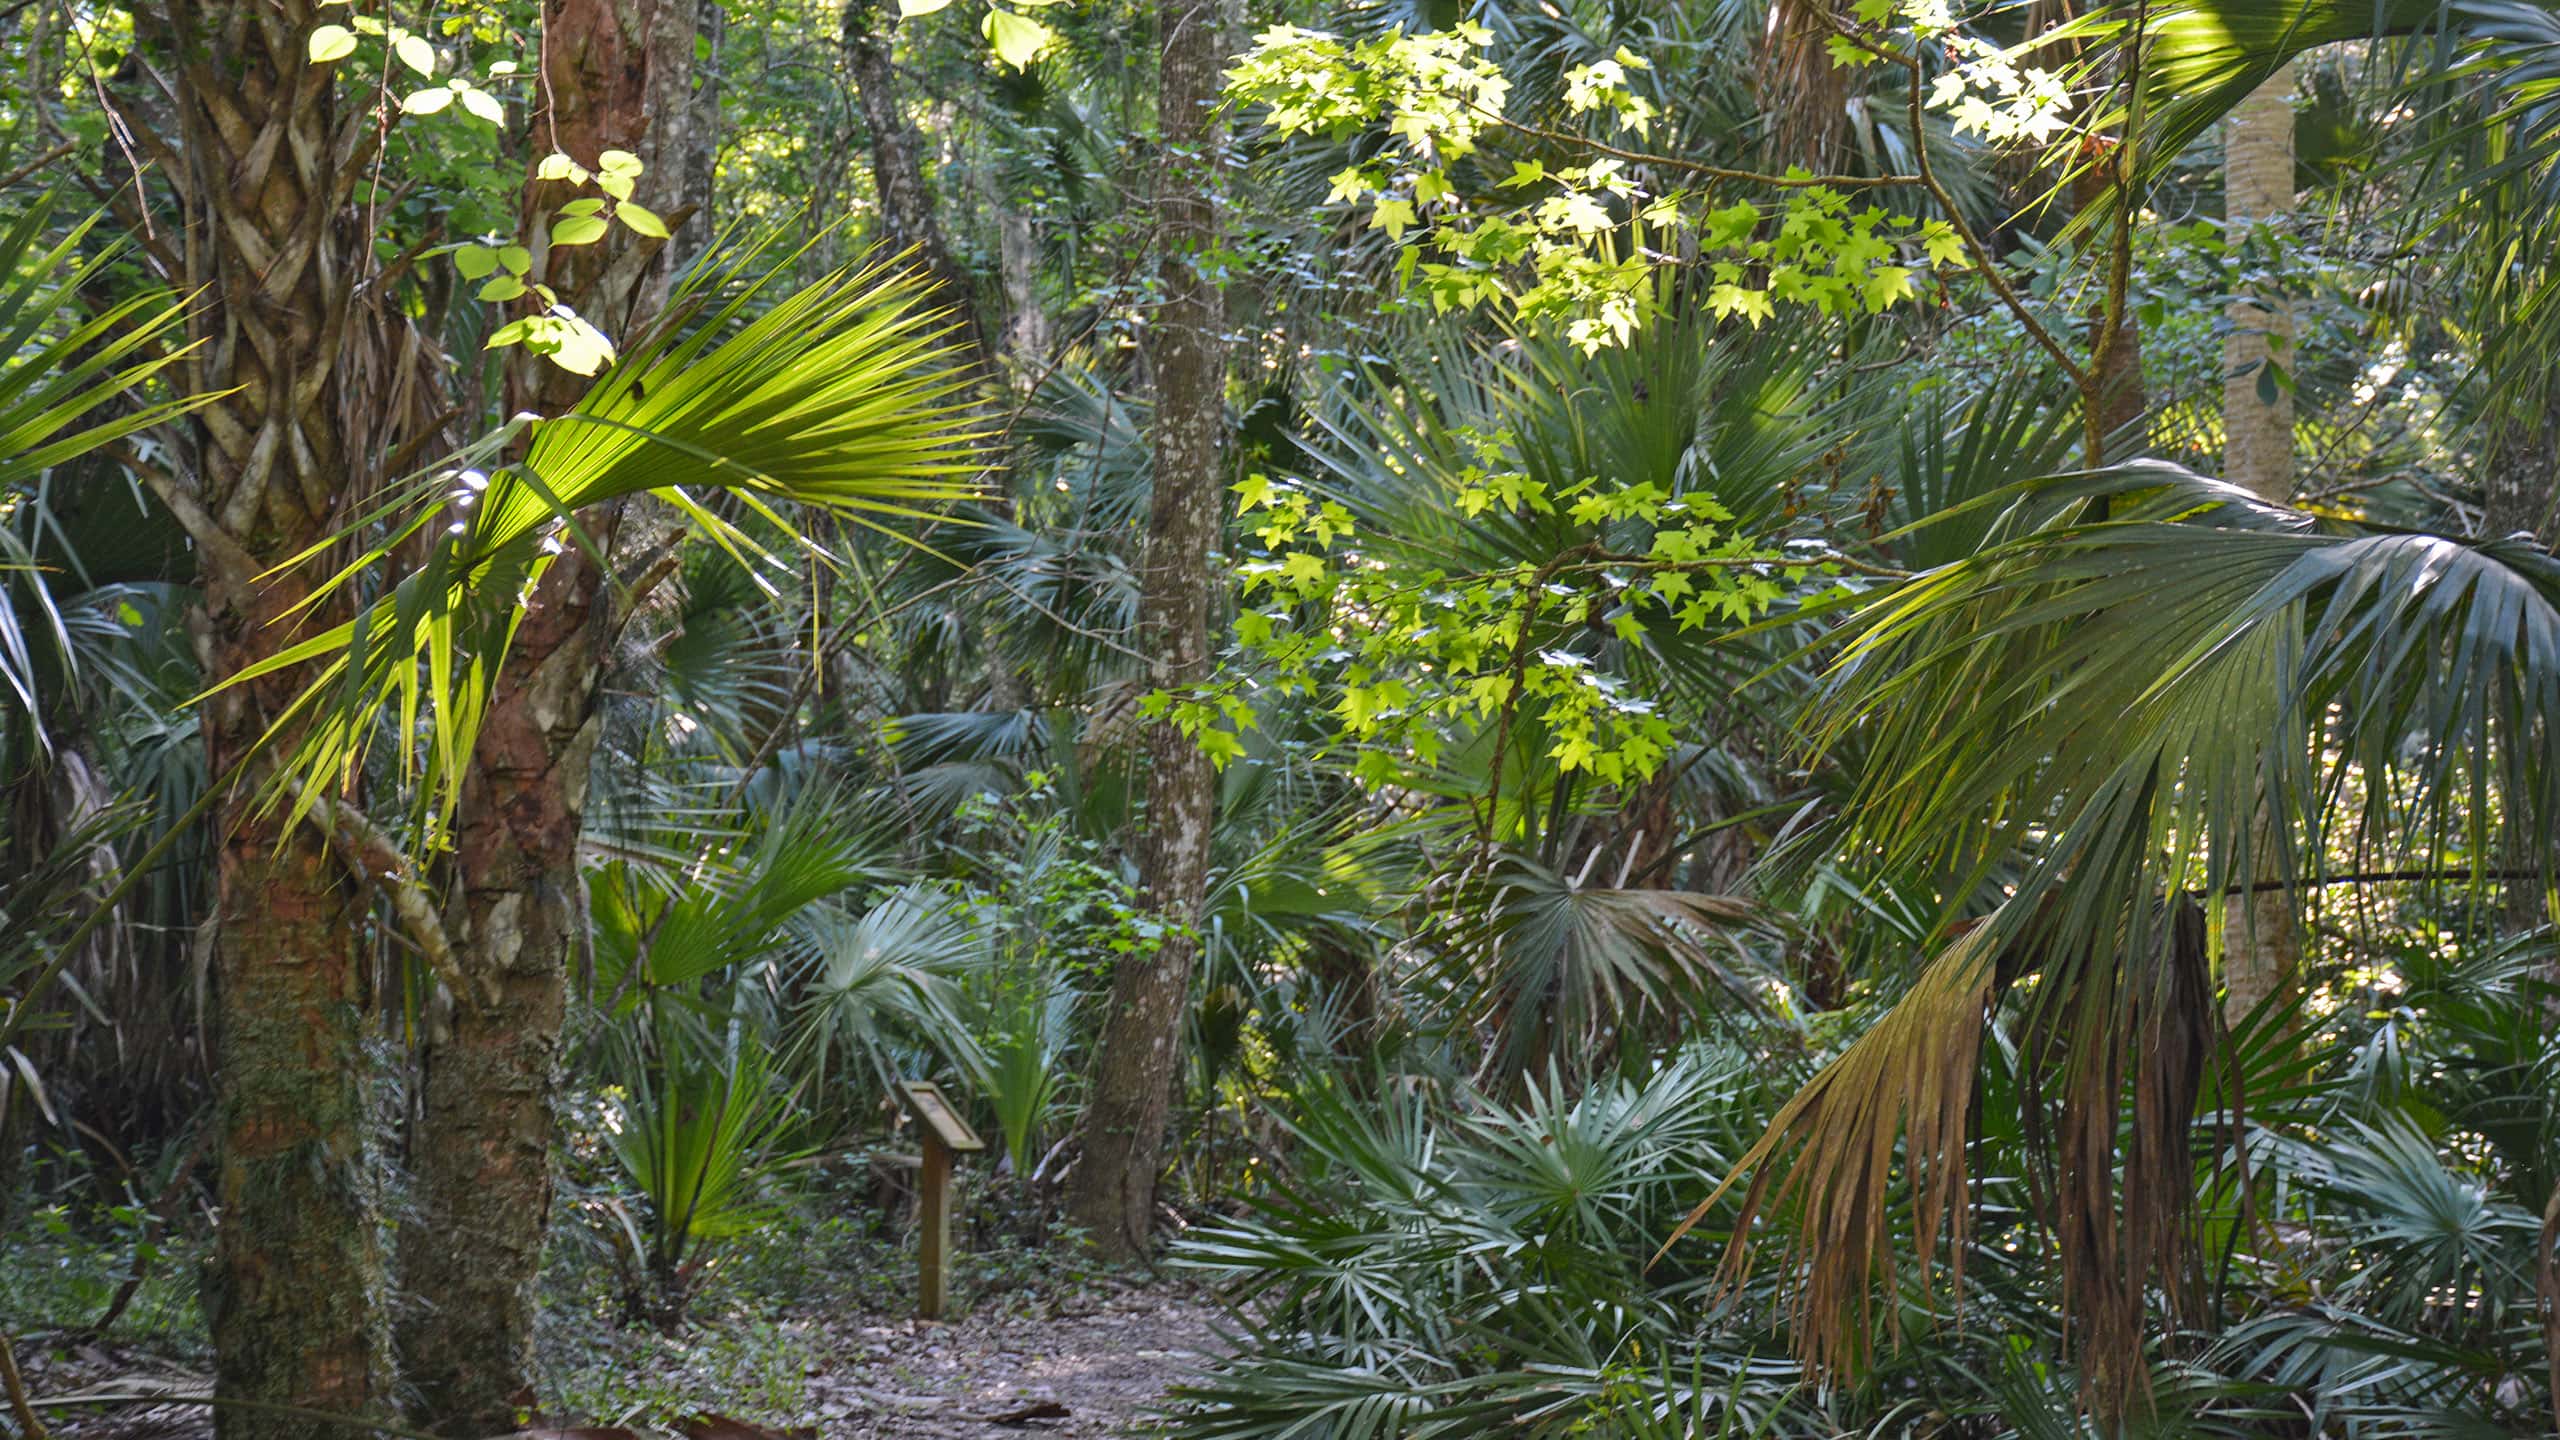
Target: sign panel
937,1114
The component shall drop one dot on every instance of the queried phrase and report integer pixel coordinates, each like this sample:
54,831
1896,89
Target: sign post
945,1134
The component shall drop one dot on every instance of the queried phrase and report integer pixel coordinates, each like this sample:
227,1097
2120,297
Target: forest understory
1545,719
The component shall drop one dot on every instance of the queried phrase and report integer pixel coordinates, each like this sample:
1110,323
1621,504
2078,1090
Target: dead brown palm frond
2120,702
1913,1072
2116,1180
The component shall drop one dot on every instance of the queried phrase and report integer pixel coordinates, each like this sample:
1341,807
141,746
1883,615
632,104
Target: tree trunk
2522,486
1114,1189
2257,181
702,155
1026,319
2115,396
897,175
294,1296
294,1293
2518,496
2260,949
618,76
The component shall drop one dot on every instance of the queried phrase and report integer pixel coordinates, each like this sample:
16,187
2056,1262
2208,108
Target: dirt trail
1091,1364
1100,1366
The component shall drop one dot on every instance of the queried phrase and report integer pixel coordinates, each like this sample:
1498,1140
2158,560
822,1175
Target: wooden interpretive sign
945,1134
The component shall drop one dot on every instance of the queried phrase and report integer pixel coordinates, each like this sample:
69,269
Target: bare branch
1983,263
372,857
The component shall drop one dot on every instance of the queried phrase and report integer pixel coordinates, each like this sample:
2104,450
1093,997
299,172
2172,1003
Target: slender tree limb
38,163
226,553
19,1405
1695,167
2377,877
157,1216
374,858
1983,262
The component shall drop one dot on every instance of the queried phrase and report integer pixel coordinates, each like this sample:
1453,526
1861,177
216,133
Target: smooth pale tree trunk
618,76
1026,327
2260,947
1113,1191
2257,182
294,1292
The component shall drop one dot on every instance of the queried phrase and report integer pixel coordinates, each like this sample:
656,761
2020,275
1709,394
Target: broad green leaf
485,105
578,230
476,262
909,9
503,288
1018,39
582,350
641,220
417,54
427,101
332,42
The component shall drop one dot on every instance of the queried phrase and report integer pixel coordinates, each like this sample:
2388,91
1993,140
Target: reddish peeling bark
481,1152
619,77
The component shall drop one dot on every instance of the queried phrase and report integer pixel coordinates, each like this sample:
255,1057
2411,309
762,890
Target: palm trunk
294,1297
1113,1196
2260,949
294,1294
618,76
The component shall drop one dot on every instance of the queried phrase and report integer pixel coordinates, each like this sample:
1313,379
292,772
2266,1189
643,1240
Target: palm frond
844,397
2120,700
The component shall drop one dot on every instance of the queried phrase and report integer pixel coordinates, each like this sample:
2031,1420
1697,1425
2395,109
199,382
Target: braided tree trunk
618,76
1115,1181
293,1295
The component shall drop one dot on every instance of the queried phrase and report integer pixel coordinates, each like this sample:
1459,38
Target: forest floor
1092,1359
1098,1365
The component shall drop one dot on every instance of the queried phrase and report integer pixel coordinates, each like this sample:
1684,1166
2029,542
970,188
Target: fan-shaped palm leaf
2118,699
843,396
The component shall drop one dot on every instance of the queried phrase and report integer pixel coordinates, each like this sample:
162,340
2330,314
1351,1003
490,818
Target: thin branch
1536,590
38,163
372,857
1980,254
18,1404
1694,167
2378,877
